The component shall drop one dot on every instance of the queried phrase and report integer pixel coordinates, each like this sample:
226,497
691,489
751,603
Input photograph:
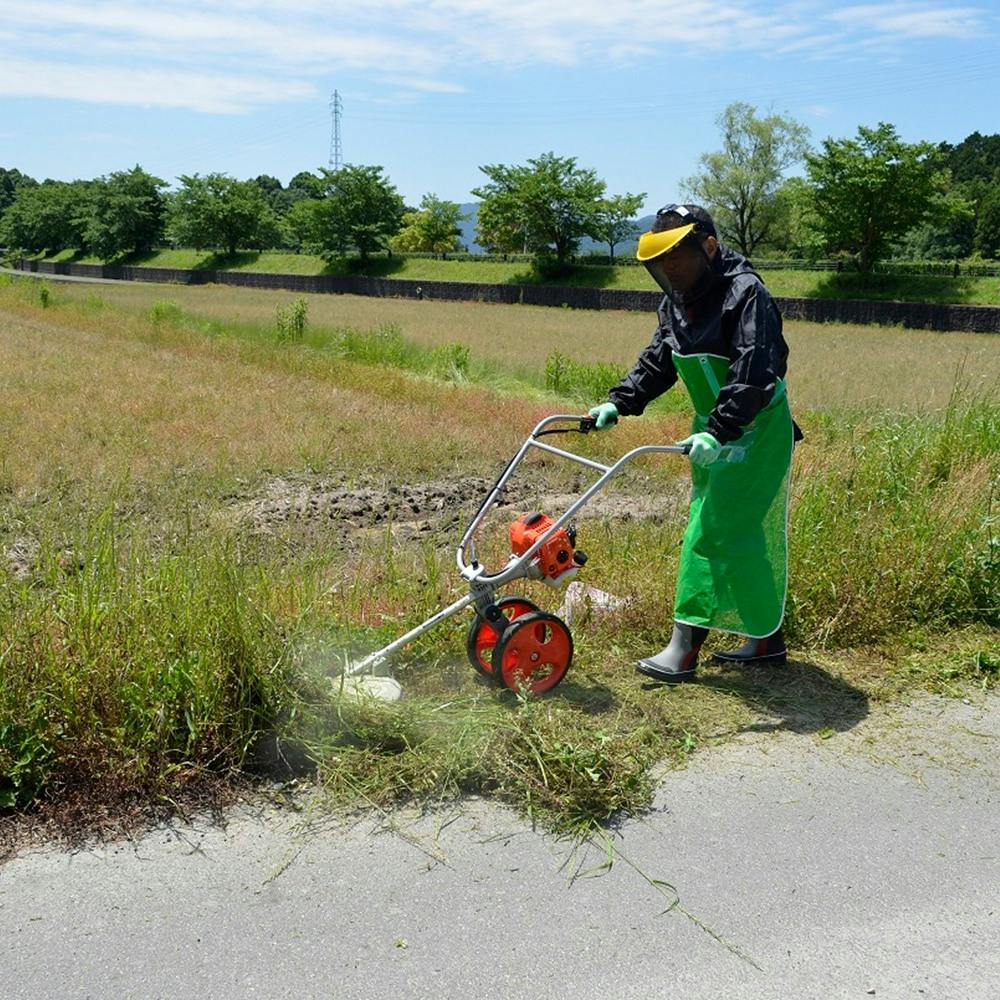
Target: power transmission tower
336,152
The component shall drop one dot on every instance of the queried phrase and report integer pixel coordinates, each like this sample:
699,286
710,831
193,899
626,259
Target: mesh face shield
656,245
654,248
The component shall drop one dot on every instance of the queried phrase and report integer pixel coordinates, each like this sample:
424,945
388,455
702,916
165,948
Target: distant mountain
468,237
468,227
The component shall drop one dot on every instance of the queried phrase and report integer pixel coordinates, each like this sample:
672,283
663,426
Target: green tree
545,206
359,212
305,185
870,190
49,216
738,184
794,230
987,240
434,228
10,181
614,221
947,233
219,211
126,212
279,198
976,157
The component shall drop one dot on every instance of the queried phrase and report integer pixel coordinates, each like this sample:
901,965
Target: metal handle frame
482,583
470,568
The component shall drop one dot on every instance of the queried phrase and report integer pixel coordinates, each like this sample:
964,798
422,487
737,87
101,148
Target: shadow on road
799,697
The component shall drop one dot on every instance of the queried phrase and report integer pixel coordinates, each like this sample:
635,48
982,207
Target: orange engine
555,557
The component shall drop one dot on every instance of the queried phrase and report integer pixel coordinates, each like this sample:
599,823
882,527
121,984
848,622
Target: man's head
678,250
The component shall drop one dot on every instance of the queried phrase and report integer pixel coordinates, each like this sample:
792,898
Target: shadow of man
798,697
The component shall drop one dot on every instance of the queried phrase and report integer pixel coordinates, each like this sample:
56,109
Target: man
720,333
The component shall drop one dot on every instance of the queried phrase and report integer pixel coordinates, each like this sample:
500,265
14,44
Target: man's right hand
605,415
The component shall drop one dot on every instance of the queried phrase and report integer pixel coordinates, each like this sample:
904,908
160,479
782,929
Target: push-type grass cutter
511,640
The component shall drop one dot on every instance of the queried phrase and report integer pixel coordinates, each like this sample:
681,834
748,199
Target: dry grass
832,367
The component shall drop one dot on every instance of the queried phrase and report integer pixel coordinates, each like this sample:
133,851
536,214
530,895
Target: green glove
704,448
606,415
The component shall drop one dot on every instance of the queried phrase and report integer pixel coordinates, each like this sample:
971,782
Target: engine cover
555,557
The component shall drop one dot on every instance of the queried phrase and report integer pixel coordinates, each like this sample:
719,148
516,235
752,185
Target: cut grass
786,283
153,639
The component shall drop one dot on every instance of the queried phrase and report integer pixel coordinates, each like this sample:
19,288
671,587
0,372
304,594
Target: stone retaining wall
916,315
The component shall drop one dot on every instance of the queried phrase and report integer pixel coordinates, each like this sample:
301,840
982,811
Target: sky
434,89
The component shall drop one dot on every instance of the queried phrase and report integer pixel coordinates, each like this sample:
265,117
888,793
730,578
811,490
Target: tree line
862,199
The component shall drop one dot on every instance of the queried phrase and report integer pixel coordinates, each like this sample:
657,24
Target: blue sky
432,89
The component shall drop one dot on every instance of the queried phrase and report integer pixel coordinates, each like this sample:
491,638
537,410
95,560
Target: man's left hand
704,448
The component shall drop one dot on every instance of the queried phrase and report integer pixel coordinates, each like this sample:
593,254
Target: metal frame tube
377,657
518,566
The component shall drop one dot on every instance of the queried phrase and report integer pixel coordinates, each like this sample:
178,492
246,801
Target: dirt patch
441,507
21,557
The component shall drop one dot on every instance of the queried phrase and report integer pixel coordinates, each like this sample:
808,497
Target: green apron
734,558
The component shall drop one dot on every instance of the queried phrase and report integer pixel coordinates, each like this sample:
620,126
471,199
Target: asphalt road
864,865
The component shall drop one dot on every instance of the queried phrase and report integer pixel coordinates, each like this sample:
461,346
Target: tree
976,157
434,228
546,206
49,216
738,184
10,181
614,221
305,185
125,212
870,190
359,211
988,225
947,233
794,230
218,211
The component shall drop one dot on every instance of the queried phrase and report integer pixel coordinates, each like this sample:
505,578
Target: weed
165,311
450,362
290,322
580,382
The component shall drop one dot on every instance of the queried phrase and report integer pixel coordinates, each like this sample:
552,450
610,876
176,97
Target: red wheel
535,652
483,636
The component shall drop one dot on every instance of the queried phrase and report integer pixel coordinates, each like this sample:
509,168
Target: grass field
790,283
199,514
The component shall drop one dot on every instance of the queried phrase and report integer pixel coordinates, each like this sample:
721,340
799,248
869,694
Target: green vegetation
869,190
741,181
865,200
434,228
157,636
218,211
782,282
545,207
357,212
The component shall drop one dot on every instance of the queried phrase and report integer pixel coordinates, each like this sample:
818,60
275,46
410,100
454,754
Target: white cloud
912,20
149,88
232,55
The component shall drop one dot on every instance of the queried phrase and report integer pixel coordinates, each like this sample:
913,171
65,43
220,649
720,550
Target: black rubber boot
770,650
678,661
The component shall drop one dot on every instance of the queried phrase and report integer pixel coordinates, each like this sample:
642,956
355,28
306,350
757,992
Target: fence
915,315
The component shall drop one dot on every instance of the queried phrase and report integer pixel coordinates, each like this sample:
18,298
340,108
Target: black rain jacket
734,317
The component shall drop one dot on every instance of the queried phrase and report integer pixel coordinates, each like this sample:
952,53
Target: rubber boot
677,661
770,650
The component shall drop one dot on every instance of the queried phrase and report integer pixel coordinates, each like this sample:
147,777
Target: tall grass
123,665
153,638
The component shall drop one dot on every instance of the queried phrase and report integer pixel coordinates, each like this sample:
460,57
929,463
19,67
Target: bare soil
435,508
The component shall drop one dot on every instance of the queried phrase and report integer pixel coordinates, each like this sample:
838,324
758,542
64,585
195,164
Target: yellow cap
654,244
